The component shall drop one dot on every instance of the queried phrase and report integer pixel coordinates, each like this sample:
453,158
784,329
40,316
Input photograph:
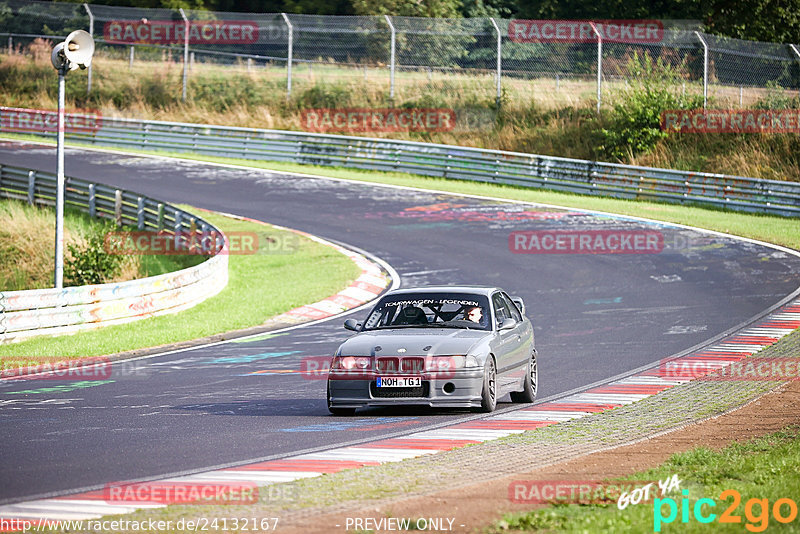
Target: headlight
351,362
445,363
472,361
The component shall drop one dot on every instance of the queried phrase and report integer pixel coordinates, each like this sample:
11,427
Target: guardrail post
705,68
392,56
10,44
176,229
160,217
499,61
91,32
140,213
118,207
92,201
185,52
130,59
204,245
599,65
31,187
289,56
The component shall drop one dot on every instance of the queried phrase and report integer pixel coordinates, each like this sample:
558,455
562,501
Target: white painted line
536,415
237,477
366,454
606,398
475,434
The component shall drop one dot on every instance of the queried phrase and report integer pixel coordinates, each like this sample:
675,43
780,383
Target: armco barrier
444,161
34,312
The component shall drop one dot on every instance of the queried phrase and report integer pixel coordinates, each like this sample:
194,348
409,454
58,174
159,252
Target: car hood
415,341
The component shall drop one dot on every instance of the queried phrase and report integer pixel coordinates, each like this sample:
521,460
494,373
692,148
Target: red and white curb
371,282
736,347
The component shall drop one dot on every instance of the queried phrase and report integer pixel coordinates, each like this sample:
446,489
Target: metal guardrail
441,161
56,311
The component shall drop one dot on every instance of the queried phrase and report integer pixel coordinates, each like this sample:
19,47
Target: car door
509,344
524,330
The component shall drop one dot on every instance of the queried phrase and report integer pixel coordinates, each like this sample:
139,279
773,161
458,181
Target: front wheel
531,383
489,391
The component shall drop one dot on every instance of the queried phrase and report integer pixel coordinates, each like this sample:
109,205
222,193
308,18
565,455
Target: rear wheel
528,393
489,391
338,411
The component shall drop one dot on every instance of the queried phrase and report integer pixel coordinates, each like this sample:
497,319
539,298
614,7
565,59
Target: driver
474,314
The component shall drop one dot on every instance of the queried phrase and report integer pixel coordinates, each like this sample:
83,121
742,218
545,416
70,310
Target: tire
338,411
489,390
528,393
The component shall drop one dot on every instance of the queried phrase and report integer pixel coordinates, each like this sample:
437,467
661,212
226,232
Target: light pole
76,51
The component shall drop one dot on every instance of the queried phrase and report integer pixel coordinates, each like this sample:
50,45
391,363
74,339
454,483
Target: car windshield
430,310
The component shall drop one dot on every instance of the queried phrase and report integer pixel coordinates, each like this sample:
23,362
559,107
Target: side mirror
352,324
519,303
508,324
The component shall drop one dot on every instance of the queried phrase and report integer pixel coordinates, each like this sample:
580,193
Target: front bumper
458,389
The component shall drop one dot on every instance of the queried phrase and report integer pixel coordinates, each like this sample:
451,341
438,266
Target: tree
409,8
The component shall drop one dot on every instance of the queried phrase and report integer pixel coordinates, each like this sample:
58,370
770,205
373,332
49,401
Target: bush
90,263
777,98
634,125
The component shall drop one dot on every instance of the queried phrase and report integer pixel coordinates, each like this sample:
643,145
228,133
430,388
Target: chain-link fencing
409,59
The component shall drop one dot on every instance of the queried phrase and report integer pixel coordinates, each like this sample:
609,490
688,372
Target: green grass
27,252
260,286
534,117
769,228
764,468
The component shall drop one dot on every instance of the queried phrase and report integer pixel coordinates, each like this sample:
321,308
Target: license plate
399,381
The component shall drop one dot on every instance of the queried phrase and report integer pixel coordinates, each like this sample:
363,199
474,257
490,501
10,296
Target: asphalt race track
595,315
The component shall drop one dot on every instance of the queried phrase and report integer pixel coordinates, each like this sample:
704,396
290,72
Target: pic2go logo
756,511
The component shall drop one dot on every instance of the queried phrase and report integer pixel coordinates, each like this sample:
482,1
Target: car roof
478,290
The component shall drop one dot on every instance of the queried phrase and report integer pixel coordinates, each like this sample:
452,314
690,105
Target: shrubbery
634,125
90,263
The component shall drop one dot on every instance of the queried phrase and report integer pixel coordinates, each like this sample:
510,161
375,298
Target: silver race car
454,347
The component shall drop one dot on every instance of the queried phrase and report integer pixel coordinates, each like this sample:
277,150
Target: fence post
705,68
185,52
499,61
391,57
10,45
289,56
599,65
130,59
91,32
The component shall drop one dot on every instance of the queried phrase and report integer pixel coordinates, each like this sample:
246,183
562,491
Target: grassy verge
759,469
772,229
27,249
260,286
534,116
